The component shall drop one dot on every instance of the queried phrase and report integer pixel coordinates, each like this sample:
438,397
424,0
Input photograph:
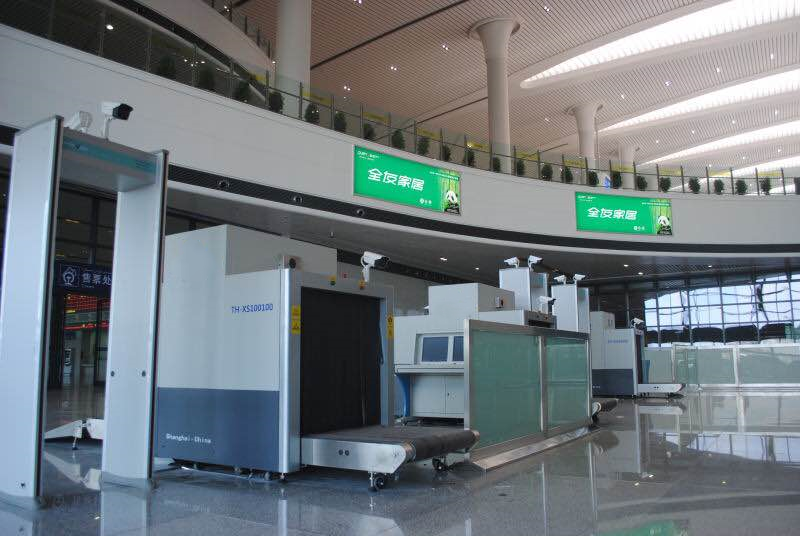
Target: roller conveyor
382,450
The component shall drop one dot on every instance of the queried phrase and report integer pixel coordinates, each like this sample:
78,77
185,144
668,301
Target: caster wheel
380,482
439,465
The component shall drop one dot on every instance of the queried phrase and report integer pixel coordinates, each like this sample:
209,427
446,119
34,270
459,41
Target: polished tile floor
710,463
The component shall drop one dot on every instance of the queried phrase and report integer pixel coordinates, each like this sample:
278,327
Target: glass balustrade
100,28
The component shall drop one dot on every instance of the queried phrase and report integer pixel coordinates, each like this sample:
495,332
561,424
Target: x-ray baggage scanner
274,369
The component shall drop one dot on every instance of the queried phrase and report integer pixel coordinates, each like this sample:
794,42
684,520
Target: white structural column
495,33
293,44
626,154
587,139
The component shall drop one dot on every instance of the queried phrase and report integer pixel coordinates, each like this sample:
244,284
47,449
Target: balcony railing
227,9
118,35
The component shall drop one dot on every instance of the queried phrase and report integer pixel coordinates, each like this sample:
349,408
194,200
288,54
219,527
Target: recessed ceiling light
772,55
477,268
626,265
547,119
546,8
744,158
109,26
693,132
443,259
346,87
622,96
393,67
359,2
779,150
641,273
718,69
445,47
776,112
733,121
667,83
710,265
658,141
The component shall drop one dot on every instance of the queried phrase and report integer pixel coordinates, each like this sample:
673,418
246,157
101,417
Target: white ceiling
430,80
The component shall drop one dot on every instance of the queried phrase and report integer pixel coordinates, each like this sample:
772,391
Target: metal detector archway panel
45,155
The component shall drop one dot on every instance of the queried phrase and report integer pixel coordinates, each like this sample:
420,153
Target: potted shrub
275,102
496,166
311,114
566,175
398,140
205,79
519,167
423,145
469,157
664,184
766,186
641,183
166,67
592,179
369,131
616,180
242,91
547,172
340,122
719,186
741,187
446,152
797,185
694,185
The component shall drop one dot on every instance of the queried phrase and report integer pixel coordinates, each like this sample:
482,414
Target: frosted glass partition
504,386
685,365
523,384
567,381
769,364
715,365
659,369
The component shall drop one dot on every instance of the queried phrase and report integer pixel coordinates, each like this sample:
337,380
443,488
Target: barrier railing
739,365
113,33
228,9
523,384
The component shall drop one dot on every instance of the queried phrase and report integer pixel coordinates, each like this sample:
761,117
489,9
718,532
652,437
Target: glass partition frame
546,431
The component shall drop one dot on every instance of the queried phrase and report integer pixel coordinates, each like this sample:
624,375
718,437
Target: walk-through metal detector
45,155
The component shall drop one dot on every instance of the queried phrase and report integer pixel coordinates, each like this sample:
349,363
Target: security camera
371,260
114,110
544,303
561,279
81,121
513,261
636,322
533,259
578,277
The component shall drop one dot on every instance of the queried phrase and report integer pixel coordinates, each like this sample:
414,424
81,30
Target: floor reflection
710,463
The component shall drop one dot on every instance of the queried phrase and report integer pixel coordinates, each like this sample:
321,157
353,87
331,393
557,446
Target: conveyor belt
383,449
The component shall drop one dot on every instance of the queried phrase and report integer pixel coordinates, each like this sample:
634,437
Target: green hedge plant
741,187
519,166
398,139
766,186
641,183
719,186
616,180
664,184
469,157
205,79
547,172
340,122
694,185
311,114
369,132
275,102
447,153
592,179
496,165
423,145
797,185
566,175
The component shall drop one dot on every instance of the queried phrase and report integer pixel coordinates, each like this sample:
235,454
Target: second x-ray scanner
616,356
272,369
429,349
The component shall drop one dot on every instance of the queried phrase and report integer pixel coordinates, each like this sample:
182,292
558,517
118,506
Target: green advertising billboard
397,180
623,214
